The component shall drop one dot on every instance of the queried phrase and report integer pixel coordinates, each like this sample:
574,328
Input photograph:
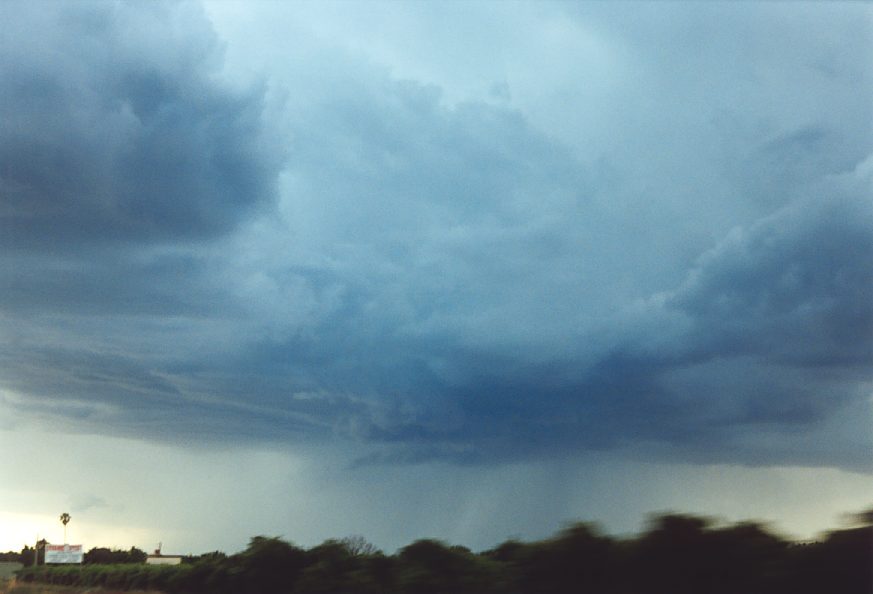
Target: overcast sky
462,270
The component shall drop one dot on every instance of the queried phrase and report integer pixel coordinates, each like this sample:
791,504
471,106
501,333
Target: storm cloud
117,129
336,253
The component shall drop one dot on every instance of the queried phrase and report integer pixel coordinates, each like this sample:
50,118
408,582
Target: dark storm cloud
122,154
770,334
437,280
117,129
797,287
99,283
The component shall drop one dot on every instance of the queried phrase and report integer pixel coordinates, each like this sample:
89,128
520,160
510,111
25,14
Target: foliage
104,556
578,559
358,546
676,554
28,554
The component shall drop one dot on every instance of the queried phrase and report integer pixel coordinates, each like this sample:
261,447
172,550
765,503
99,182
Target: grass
8,569
7,572
47,589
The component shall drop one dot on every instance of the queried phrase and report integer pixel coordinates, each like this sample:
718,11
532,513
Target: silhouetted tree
843,563
28,556
506,552
329,569
745,558
579,559
677,554
104,556
269,565
65,519
673,556
379,573
10,557
430,567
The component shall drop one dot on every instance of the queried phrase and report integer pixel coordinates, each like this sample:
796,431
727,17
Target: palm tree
65,517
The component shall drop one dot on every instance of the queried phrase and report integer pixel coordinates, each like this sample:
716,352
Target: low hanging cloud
411,278
770,334
795,288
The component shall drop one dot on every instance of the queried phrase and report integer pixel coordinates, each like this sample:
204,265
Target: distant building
163,560
158,558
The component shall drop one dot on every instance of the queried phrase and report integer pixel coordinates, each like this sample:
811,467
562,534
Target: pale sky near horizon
439,269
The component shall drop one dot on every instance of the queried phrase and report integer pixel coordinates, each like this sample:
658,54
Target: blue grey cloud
117,130
420,278
795,287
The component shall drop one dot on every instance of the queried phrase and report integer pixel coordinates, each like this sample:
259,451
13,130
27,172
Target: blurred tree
678,554
269,565
579,559
860,519
507,552
430,567
27,556
842,563
672,557
329,569
378,572
746,558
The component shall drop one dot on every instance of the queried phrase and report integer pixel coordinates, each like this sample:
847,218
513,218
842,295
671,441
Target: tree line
97,555
676,554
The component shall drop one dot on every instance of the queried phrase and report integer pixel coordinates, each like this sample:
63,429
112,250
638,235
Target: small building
158,558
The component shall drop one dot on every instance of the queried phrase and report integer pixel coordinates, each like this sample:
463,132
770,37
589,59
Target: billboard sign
65,553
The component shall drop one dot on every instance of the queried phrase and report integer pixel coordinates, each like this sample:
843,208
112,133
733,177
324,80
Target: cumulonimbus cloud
442,281
118,128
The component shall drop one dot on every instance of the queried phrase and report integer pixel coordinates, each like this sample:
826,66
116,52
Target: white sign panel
64,553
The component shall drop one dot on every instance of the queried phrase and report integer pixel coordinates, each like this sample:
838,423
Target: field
46,589
7,569
8,587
